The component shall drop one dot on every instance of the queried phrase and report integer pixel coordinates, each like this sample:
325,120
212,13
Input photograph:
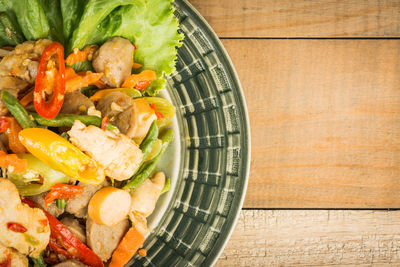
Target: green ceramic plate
209,160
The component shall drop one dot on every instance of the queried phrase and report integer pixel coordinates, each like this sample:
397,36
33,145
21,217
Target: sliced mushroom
75,227
121,111
102,239
76,103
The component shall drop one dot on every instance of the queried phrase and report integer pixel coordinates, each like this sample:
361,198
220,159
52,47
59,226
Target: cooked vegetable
12,33
62,191
105,239
35,171
67,120
82,80
75,227
27,99
15,212
167,186
17,110
121,110
16,227
50,109
4,122
52,10
146,117
132,241
78,206
81,55
71,14
148,166
61,203
12,132
140,81
114,59
164,107
65,243
109,206
39,262
139,21
12,162
61,155
102,93
32,19
104,123
148,142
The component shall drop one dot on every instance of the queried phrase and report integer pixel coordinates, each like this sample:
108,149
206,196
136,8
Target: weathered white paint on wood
314,238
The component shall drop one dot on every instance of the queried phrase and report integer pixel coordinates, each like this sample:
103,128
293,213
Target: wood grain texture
302,18
314,238
325,119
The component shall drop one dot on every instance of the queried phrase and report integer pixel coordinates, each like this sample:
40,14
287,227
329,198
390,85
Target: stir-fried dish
82,128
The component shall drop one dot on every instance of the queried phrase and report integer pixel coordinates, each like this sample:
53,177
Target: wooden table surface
322,82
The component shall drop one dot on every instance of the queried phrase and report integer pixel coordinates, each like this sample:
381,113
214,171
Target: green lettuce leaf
95,12
32,19
52,10
149,24
71,14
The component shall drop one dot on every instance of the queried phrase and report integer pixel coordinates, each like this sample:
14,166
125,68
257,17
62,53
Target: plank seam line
310,38
310,209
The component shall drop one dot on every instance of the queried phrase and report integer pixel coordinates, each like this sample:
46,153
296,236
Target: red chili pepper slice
141,85
43,222
16,227
104,122
50,109
6,262
4,122
158,114
62,191
65,243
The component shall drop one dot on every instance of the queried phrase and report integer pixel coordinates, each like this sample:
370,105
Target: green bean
38,262
167,186
17,110
60,202
148,166
148,142
13,33
65,135
67,120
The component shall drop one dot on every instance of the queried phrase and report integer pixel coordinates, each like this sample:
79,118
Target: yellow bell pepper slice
61,155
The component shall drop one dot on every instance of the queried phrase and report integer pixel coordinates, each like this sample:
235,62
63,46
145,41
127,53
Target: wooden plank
325,119
314,238
302,18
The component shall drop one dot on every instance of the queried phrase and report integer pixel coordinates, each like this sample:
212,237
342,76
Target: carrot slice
146,75
80,81
27,99
70,73
130,243
81,55
7,160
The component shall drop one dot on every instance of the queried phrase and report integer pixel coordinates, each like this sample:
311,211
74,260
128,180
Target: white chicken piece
37,236
115,60
118,154
144,200
23,62
14,258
